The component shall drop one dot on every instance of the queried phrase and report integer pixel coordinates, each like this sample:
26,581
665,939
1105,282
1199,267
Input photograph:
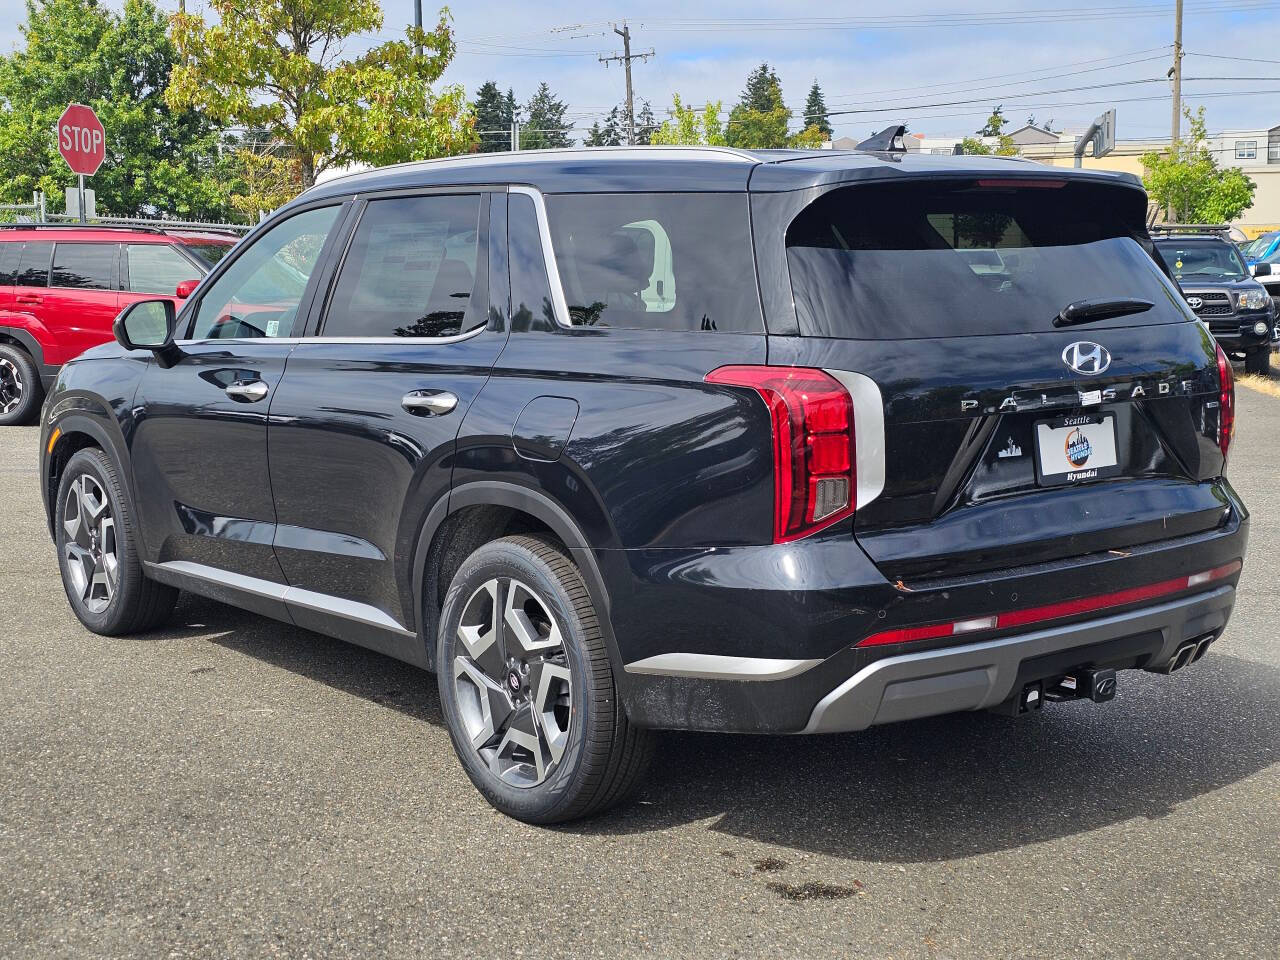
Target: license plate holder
1076,449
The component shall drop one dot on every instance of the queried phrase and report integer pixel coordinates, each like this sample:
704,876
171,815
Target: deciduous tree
1186,180
278,65
691,127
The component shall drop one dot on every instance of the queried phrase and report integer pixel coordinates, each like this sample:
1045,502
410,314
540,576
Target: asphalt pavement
231,786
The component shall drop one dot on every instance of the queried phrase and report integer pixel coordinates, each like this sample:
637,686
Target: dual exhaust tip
1188,653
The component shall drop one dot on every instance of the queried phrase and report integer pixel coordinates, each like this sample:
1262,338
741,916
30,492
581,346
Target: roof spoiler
888,140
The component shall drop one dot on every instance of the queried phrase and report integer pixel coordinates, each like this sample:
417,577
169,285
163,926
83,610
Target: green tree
608,135
646,124
810,138
159,161
1186,180
815,111
546,126
277,65
992,130
494,113
995,123
691,127
760,118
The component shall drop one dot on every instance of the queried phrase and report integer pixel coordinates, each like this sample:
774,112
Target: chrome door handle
431,403
250,390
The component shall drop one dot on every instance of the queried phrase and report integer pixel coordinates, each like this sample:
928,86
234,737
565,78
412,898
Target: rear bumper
979,675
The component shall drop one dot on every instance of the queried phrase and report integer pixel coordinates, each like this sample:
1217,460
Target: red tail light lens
813,444
1226,404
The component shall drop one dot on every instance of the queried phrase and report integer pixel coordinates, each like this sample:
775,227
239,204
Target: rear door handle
429,403
28,298
248,390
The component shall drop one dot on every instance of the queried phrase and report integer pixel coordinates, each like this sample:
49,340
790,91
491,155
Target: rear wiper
1086,311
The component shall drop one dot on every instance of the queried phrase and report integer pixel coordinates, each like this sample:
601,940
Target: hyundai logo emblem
1195,303
1087,357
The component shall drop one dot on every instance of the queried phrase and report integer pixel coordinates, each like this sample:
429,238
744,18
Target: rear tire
1258,361
97,543
527,689
21,391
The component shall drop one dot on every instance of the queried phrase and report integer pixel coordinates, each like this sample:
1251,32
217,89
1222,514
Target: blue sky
924,61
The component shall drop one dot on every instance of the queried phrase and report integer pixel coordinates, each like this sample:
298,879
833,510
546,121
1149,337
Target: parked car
1225,294
1261,247
673,438
62,286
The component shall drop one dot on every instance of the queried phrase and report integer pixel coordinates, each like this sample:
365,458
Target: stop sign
81,139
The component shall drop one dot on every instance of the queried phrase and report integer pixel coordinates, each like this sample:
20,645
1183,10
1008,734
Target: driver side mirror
186,288
148,325
1261,270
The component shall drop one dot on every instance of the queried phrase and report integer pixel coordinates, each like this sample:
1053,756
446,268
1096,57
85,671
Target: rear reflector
811,414
1052,611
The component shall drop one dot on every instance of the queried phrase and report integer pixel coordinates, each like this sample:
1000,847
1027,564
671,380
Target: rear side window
411,270
33,266
9,254
656,261
157,268
84,266
902,261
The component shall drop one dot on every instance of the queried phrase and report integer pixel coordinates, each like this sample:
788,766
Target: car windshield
1258,247
1203,259
208,253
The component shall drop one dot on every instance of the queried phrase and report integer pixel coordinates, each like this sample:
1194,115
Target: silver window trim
454,338
558,303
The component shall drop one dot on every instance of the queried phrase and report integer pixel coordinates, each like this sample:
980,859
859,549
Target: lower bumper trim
979,675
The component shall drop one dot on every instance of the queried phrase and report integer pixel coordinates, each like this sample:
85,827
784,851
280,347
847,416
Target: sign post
82,141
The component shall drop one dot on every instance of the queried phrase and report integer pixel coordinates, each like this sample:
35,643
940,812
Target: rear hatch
1009,440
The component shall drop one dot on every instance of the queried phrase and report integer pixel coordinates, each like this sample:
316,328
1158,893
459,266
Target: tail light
811,414
1226,404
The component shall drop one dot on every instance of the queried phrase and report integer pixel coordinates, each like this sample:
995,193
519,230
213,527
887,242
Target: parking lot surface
231,786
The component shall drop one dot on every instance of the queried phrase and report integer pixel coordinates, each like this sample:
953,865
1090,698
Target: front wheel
1258,361
98,551
527,688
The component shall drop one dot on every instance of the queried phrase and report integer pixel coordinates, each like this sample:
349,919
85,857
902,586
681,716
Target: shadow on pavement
924,791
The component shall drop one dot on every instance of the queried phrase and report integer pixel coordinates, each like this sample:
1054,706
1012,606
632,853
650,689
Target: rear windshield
1203,260
901,261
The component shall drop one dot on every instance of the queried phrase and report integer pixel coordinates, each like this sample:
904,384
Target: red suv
62,286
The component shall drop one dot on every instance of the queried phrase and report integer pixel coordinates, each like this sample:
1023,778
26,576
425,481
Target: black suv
1221,291
673,438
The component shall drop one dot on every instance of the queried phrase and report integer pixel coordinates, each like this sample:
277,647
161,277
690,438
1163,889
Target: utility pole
1176,73
626,58
417,22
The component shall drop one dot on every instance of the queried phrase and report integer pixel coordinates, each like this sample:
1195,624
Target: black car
1222,292
686,438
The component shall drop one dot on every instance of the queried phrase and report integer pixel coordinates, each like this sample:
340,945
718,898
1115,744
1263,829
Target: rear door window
887,262
656,261
33,265
157,268
411,271
84,266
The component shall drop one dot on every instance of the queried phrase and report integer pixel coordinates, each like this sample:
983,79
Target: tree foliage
159,160
810,138
1186,180
544,125
993,130
760,117
815,112
277,65
494,113
610,134
646,124
691,127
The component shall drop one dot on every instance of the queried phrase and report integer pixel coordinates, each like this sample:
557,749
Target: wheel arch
76,431
20,336
499,509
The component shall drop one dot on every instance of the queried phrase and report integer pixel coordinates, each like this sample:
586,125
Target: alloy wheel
511,676
10,386
90,552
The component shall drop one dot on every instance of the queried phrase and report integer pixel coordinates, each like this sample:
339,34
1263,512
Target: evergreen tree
646,124
760,118
608,135
815,111
545,126
493,118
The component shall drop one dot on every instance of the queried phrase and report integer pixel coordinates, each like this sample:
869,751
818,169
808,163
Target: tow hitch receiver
1098,685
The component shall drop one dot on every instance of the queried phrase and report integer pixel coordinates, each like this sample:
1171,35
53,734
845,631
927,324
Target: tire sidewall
505,559
32,389
92,462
